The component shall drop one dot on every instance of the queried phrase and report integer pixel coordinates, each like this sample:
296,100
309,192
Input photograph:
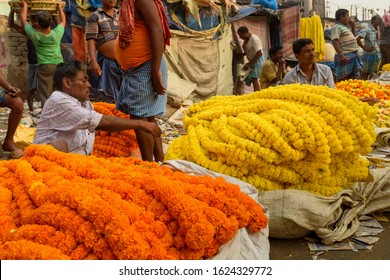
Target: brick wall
13,56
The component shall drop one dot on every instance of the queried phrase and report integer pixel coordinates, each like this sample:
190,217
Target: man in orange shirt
139,48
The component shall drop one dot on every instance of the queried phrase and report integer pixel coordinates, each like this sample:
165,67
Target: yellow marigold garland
293,136
77,207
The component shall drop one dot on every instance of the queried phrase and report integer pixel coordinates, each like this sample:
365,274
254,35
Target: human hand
152,128
13,91
24,4
95,68
352,22
60,5
281,63
343,59
369,49
246,66
157,83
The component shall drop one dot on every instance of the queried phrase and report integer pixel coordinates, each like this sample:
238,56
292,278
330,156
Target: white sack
178,89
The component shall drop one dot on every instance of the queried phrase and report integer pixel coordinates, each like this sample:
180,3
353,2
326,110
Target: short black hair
242,29
274,49
375,17
44,19
340,13
66,70
300,43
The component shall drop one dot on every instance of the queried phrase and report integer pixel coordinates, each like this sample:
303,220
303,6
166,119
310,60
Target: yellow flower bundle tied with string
113,144
294,136
56,205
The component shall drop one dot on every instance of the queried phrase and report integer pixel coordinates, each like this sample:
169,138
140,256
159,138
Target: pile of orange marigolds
365,89
113,144
373,93
55,205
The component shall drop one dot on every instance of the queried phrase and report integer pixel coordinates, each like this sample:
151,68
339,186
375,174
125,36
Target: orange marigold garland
116,208
113,144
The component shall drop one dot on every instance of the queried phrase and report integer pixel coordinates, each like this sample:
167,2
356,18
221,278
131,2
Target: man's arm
112,123
148,11
12,24
280,73
253,60
95,67
13,91
61,13
337,48
23,14
91,32
360,44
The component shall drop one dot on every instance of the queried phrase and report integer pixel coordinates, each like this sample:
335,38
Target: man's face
307,55
377,21
277,56
345,19
109,3
78,87
242,36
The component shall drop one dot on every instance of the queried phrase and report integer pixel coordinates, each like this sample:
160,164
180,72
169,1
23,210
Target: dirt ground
297,249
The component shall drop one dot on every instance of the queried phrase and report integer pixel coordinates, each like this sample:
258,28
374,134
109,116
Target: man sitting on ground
68,120
273,69
9,97
307,70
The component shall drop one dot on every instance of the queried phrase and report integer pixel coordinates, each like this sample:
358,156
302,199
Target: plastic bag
270,4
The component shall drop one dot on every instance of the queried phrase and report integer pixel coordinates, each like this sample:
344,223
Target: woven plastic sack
245,245
294,213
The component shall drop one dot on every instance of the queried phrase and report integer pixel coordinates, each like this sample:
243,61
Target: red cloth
78,43
127,23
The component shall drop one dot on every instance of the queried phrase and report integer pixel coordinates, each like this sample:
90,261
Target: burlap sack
294,213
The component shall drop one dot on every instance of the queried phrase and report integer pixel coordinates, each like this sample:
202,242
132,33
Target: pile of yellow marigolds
113,144
372,93
55,205
293,136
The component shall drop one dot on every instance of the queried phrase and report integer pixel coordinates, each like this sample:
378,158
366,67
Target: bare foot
16,154
9,146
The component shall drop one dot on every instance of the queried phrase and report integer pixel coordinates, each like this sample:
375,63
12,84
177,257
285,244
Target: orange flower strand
29,250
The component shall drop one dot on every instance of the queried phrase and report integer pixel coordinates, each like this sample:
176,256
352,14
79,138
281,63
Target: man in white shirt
68,120
252,47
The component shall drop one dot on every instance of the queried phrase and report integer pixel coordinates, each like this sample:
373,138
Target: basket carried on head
16,6
43,5
34,6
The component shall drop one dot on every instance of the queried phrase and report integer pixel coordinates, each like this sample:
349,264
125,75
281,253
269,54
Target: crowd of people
344,55
126,55
127,65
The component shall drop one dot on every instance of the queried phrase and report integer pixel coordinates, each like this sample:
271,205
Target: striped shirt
102,27
347,40
370,37
65,118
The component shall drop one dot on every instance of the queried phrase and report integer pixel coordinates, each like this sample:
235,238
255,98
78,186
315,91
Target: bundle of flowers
293,136
365,90
382,118
55,205
113,144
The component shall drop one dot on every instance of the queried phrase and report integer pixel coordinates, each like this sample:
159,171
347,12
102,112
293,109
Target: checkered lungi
136,95
255,72
352,68
371,62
